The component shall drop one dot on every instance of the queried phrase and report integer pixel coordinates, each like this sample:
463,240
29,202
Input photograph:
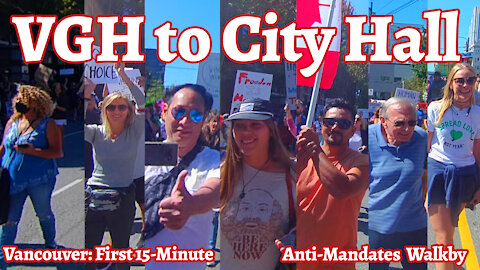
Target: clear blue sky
182,14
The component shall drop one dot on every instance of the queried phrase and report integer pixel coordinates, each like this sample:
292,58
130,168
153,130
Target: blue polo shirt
395,199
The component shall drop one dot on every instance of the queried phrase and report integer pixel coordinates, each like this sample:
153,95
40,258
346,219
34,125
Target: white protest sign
209,77
250,84
291,85
121,87
100,73
408,94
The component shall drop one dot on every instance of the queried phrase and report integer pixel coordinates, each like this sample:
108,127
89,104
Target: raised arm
137,93
339,184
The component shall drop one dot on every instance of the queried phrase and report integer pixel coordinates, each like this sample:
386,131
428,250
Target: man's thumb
180,185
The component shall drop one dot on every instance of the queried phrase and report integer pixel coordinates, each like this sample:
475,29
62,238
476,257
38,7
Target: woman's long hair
231,168
213,139
447,100
36,100
107,101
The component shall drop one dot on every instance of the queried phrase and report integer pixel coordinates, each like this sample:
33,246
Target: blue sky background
182,14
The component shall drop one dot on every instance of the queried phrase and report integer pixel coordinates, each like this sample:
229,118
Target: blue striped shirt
395,183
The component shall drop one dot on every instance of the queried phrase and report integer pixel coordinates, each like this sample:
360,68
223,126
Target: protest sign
100,73
209,77
291,85
250,84
121,87
408,94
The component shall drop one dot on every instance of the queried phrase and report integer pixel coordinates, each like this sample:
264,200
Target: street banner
291,85
209,77
250,84
408,94
314,13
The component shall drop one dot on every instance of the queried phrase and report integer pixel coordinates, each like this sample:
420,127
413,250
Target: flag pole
316,86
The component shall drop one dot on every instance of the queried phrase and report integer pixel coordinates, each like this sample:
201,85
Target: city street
67,203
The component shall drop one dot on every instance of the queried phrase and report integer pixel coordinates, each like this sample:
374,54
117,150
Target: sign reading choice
100,73
249,85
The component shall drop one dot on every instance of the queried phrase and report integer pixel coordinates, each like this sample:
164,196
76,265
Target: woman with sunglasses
454,154
257,193
110,192
30,145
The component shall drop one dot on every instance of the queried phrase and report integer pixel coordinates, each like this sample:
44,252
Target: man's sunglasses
401,123
461,81
341,123
196,116
121,108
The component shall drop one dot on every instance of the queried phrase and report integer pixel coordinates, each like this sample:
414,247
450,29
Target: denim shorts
451,186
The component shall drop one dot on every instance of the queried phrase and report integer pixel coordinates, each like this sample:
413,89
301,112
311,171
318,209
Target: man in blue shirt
398,151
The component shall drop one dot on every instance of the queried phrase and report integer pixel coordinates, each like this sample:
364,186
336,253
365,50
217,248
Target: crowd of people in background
32,121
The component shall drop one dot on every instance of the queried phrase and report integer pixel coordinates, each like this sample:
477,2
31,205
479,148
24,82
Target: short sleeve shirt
256,215
395,198
323,220
196,232
453,138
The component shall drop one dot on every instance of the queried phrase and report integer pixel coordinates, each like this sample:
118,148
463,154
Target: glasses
461,81
121,108
401,123
196,116
341,123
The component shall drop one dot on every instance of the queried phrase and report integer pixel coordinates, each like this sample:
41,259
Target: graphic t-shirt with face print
253,219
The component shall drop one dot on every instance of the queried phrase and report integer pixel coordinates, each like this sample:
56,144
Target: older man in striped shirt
398,151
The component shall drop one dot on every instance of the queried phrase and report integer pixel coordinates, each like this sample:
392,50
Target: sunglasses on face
179,113
461,81
121,108
401,123
341,123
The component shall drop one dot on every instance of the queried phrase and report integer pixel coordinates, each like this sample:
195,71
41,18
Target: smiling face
462,92
183,130
399,113
251,136
119,113
334,135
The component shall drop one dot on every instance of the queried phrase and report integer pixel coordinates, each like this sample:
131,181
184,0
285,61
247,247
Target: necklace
242,194
25,129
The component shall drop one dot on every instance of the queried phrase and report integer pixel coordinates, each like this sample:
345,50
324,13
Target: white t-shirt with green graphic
453,139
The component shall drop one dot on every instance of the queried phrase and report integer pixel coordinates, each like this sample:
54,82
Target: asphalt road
67,203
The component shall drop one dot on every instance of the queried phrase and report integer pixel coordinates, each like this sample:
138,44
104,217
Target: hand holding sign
174,210
88,87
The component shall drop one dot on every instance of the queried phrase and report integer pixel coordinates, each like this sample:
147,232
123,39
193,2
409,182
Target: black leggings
119,223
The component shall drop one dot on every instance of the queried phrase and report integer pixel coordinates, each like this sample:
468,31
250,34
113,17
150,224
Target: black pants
119,223
398,241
